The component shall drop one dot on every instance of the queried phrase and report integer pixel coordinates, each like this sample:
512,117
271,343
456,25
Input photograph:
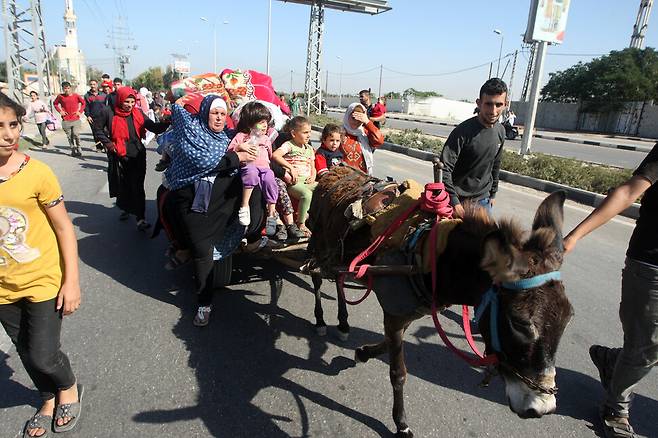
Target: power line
447,73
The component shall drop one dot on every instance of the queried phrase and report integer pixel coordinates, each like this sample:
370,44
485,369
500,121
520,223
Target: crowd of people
221,185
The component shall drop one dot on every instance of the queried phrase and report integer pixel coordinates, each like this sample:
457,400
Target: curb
624,147
578,195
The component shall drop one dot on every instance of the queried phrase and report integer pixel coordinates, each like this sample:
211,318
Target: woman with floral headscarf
121,130
205,188
362,137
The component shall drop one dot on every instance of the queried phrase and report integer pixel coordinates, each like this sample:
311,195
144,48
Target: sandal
614,427
38,421
70,410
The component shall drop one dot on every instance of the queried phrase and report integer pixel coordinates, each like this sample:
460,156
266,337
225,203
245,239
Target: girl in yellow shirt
38,275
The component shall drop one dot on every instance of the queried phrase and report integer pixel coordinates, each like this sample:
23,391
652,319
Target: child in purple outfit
252,129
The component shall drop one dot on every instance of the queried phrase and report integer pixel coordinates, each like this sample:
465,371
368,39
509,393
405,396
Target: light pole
340,83
500,51
214,39
269,34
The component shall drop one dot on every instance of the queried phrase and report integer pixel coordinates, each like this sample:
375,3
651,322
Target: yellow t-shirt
30,262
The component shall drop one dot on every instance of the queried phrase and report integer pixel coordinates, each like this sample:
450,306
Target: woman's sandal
38,421
69,410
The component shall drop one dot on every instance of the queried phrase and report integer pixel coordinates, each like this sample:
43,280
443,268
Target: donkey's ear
550,214
502,260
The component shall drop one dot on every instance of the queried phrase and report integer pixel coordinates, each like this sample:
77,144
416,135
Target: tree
393,95
94,73
606,83
3,71
420,94
152,78
169,76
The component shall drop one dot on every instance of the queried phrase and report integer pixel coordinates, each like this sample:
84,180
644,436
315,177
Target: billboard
182,67
547,21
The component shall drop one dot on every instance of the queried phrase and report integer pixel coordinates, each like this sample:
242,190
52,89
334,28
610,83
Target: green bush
321,120
414,138
591,177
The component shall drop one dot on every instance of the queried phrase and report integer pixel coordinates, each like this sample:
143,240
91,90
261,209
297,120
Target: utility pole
534,97
511,79
529,71
641,24
25,46
381,67
121,42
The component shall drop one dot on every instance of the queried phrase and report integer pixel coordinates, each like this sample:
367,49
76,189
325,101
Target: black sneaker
294,232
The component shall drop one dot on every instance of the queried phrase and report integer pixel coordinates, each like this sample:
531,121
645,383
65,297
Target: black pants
35,328
42,131
131,196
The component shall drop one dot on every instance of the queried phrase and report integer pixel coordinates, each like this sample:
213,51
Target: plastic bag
52,123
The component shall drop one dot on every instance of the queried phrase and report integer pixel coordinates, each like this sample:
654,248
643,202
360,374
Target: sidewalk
592,139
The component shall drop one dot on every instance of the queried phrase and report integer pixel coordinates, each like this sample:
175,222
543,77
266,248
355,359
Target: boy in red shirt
71,105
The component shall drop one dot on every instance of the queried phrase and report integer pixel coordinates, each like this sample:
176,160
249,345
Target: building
68,58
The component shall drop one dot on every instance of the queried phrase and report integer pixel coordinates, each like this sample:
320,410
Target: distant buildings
68,59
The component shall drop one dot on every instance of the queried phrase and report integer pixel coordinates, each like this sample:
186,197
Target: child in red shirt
329,153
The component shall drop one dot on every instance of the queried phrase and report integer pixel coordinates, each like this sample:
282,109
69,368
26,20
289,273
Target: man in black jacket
473,151
95,101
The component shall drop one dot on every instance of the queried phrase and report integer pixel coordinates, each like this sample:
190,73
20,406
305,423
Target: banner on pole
547,21
182,67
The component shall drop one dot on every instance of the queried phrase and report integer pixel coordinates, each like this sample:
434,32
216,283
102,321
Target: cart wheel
222,272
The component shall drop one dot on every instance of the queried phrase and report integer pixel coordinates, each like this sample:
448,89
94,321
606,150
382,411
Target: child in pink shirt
252,129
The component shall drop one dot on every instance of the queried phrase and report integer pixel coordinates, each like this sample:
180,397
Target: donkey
484,258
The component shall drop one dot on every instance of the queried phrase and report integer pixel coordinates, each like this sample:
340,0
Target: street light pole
340,83
214,39
269,34
500,51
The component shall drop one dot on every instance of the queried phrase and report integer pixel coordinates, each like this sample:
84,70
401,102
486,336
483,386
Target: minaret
71,39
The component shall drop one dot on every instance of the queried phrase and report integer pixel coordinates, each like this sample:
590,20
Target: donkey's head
533,307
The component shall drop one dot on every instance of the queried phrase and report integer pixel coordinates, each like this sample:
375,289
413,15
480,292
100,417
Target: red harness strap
479,360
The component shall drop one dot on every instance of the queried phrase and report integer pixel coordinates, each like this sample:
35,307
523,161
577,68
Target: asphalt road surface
591,154
259,369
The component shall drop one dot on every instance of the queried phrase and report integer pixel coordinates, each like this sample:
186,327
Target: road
592,154
259,370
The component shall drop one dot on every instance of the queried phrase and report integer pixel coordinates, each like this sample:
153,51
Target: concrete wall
637,119
393,105
443,109
550,115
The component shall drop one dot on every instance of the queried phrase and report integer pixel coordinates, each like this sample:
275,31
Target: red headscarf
120,133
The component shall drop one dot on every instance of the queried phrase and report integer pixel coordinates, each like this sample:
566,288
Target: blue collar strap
490,300
532,282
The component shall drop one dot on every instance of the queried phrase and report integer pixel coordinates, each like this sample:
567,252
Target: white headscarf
361,136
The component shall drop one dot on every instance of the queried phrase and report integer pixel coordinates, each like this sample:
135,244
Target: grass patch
591,177
322,120
414,138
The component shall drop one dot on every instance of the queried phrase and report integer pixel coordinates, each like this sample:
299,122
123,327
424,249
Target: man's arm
620,199
58,105
449,157
495,173
81,104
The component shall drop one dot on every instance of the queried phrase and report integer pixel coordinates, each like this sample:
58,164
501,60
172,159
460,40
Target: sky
419,43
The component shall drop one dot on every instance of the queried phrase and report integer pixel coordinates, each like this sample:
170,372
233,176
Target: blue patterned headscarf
197,149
